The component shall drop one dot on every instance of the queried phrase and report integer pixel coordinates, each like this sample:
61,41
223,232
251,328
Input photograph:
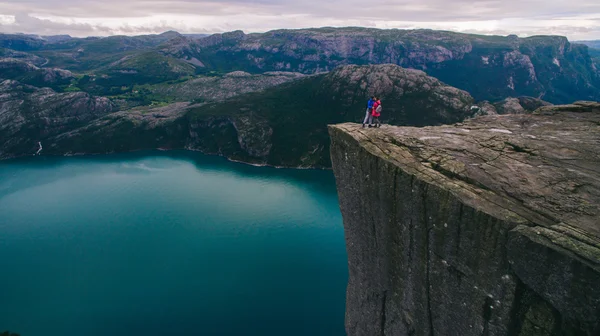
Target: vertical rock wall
434,251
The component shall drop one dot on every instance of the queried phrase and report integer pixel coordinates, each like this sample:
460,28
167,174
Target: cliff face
29,115
489,67
489,227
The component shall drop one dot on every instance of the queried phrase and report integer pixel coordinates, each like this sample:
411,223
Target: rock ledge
489,227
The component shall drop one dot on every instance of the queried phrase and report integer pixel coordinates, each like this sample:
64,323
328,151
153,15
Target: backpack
378,109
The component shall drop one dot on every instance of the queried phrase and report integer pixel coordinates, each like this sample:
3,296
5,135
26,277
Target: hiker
376,113
368,115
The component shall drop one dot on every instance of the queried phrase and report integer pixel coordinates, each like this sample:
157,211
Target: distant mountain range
489,67
266,98
591,43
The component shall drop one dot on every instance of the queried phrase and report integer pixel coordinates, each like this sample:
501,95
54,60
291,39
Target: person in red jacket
376,112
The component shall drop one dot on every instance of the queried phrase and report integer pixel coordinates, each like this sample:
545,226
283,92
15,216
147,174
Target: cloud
575,18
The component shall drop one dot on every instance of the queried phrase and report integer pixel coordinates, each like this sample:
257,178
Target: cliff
489,67
29,115
488,227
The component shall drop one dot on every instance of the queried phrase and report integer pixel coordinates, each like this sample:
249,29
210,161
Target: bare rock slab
488,227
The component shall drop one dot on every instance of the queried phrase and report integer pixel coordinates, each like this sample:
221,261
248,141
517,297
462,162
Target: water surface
168,244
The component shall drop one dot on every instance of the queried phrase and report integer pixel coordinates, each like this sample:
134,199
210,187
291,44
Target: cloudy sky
577,19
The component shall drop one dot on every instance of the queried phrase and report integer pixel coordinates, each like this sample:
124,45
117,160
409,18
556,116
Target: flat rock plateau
487,227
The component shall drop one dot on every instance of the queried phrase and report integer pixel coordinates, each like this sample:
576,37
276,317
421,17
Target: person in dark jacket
369,114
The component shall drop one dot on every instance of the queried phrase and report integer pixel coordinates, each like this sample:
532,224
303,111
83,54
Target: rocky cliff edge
488,227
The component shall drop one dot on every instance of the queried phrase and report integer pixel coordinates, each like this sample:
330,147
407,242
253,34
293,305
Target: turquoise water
168,244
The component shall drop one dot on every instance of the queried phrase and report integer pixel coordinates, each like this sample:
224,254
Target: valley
267,98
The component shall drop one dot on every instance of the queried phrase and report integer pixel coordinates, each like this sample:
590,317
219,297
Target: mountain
21,42
226,93
182,48
489,67
91,53
218,88
283,125
286,125
56,38
196,36
512,105
20,55
594,51
17,69
591,43
29,114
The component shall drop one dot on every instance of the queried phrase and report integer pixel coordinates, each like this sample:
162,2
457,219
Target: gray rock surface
23,56
17,69
488,227
29,114
227,86
520,105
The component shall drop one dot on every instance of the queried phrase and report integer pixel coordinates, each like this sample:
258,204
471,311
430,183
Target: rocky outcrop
29,114
520,105
488,227
23,56
17,69
132,130
183,48
209,89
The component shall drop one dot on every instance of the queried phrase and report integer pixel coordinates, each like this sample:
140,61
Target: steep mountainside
489,227
285,125
282,126
595,54
29,115
490,67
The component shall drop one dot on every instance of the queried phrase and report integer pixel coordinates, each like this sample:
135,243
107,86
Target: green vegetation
71,88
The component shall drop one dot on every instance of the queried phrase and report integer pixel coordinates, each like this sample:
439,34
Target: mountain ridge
489,67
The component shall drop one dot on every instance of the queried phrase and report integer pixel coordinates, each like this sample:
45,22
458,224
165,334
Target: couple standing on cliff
373,111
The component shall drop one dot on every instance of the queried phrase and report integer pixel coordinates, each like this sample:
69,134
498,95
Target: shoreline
266,165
